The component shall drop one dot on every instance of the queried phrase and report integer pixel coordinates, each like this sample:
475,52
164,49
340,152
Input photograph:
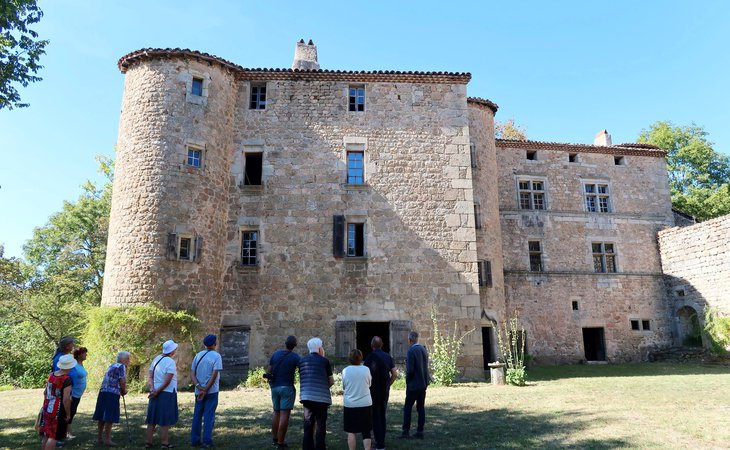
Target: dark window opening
197,88
473,154
531,155
572,157
185,248
487,351
680,293
594,344
253,169
535,251
575,306
355,239
477,216
357,98
485,273
646,325
258,96
355,167
249,248
619,160
604,257
364,333
635,325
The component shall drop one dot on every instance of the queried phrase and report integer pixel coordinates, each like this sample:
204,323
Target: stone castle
345,204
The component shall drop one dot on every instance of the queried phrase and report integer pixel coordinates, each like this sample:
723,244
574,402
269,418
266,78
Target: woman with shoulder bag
162,408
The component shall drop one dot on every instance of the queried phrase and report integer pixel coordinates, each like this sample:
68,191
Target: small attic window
531,155
573,157
197,88
619,160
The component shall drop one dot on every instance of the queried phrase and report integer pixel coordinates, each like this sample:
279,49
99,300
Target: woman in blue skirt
162,408
107,403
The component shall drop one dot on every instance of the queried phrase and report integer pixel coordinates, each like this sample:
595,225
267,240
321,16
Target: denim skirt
162,410
107,408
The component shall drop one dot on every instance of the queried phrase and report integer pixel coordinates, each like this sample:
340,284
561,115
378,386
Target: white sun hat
168,347
66,362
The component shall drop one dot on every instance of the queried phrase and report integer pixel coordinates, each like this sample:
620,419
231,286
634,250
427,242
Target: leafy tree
699,176
46,296
510,130
20,49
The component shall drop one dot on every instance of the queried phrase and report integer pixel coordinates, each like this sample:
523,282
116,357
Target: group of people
366,385
67,383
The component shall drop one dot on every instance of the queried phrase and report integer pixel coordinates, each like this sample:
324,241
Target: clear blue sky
563,69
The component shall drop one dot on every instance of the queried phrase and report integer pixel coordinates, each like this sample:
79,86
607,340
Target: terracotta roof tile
483,102
295,74
621,149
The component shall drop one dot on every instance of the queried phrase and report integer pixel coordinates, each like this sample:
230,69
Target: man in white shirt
204,374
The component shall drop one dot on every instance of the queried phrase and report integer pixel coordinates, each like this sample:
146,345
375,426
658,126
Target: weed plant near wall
717,331
140,330
512,346
445,353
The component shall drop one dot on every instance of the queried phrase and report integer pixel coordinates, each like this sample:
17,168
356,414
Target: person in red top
56,404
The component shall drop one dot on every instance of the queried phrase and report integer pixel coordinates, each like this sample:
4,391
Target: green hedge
140,330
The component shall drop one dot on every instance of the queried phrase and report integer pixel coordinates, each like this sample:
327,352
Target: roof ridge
630,148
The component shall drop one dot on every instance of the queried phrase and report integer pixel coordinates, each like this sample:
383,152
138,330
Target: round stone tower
169,207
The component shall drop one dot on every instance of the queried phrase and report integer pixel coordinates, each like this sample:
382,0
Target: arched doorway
688,327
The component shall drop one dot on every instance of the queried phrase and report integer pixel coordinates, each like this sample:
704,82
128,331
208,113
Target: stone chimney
305,56
602,139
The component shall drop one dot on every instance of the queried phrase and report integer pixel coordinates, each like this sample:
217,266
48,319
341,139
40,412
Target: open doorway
487,352
364,332
594,344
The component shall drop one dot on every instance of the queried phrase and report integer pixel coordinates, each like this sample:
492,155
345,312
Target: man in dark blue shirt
282,365
384,374
417,380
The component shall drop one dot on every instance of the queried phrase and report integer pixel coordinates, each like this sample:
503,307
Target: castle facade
345,204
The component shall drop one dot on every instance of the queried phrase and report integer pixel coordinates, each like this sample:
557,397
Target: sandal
167,446
149,445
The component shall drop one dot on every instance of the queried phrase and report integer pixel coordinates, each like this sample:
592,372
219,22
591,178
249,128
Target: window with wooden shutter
172,246
338,236
344,337
399,330
198,248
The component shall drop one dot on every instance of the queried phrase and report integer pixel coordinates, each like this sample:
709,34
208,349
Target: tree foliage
698,175
510,130
20,49
45,296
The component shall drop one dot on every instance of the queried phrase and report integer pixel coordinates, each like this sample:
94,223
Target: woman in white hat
57,403
162,407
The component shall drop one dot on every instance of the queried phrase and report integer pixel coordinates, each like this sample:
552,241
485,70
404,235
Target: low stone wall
696,262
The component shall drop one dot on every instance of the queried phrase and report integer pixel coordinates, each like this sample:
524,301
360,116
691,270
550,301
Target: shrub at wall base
717,331
140,330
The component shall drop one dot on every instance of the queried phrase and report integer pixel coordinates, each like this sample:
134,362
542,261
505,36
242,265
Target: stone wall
639,202
696,262
416,205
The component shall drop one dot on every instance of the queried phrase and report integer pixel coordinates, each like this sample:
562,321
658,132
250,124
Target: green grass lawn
653,405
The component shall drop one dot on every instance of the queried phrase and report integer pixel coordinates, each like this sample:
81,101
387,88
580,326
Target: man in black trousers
417,380
384,374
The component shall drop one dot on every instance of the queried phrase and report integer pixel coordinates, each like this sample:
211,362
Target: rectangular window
253,168
572,157
597,197
635,325
485,273
197,88
532,194
473,154
355,239
531,155
185,248
619,160
249,248
357,98
575,305
645,325
535,250
258,96
604,257
195,157
477,216
355,167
